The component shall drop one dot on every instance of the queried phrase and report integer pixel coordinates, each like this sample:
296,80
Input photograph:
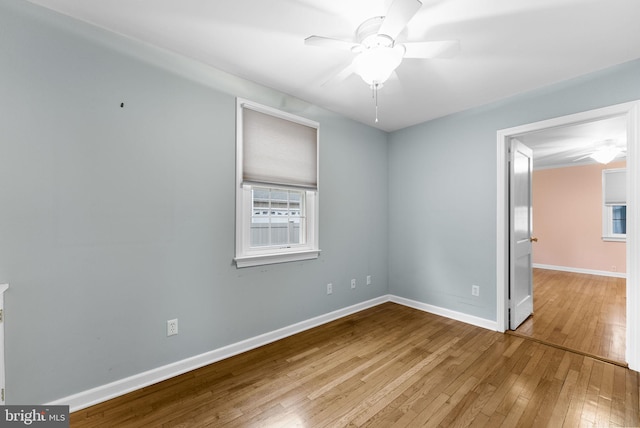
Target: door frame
631,111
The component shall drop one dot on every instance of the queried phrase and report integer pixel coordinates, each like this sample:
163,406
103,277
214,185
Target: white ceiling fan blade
327,42
582,157
443,49
398,16
339,76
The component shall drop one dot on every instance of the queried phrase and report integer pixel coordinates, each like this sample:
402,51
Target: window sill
268,259
613,239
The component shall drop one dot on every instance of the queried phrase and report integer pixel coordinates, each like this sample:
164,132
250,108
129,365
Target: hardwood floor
388,366
585,313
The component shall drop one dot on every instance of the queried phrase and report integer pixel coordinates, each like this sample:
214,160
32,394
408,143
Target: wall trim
447,313
580,270
120,387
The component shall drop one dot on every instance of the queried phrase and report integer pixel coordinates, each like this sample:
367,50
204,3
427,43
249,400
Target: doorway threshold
568,349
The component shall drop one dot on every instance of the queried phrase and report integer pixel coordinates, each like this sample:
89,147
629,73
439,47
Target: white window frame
607,213
247,256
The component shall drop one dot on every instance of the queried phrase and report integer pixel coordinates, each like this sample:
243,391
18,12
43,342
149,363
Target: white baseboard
120,387
580,270
447,313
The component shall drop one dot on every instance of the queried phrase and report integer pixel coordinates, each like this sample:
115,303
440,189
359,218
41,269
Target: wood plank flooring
388,366
585,313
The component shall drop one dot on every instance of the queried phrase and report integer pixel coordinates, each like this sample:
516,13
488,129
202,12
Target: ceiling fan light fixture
375,65
605,155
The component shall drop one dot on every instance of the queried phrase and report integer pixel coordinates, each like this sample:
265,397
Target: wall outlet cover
172,327
475,290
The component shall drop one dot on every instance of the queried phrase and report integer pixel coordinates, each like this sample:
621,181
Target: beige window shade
278,151
614,185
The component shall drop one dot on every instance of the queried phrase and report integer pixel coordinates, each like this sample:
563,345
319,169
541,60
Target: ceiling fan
605,152
377,53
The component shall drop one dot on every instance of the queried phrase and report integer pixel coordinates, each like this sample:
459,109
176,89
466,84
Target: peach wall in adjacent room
567,220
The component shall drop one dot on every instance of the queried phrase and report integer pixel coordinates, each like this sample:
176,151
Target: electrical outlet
353,283
329,288
172,327
368,279
475,290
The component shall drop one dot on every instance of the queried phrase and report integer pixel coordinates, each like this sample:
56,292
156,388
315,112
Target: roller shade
614,185
278,151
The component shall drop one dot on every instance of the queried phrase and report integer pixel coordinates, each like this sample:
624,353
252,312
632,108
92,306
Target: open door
520,234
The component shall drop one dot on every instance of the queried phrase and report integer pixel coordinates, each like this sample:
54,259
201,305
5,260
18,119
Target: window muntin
277,218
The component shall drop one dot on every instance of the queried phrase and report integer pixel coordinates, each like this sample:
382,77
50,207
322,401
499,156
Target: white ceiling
507,46
571,145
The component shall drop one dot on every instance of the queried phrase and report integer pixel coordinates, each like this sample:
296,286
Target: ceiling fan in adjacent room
377,52
606,151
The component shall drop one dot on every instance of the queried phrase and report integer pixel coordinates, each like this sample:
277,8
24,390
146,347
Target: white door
520,230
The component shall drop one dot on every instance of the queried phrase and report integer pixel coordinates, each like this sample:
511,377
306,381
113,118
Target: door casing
631,111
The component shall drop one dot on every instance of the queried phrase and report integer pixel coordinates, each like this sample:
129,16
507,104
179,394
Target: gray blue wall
114,220
442,189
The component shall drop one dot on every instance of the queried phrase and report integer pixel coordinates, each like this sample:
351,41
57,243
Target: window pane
277,217
619,219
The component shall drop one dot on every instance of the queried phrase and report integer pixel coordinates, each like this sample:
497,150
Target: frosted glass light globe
375,65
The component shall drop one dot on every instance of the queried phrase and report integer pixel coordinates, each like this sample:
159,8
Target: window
277,217
614,208
619,219
277,186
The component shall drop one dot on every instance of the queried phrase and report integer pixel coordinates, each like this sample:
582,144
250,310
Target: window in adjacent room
276,186
614,208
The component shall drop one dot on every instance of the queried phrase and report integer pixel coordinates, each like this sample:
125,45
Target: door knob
532,239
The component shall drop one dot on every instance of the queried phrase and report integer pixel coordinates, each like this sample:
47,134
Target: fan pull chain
374,87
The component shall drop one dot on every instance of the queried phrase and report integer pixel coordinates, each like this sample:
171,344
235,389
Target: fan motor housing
367,34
